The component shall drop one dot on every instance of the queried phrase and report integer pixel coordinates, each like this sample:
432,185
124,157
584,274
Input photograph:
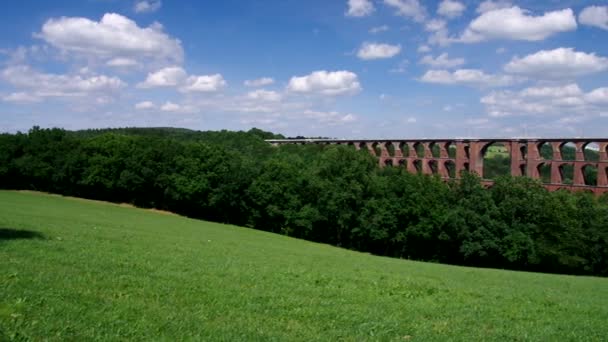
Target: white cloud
408,8
471,77
424,48
517,24
166,77
359,8
379,29
147,6
442,61
113,36
567,99
369,51
489,5
260,82
56,85
177,77
204,83
264,95
435,25
560,63
21,97
411,120
170,107
329,118
594,16
144,105
568,90
451,8
120,62
599,96
326,83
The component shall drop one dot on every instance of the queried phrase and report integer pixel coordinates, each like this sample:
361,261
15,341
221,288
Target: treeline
329,194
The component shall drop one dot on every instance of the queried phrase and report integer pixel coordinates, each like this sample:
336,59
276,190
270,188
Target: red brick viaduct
447,157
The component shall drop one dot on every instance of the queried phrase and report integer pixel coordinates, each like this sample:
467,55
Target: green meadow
78,270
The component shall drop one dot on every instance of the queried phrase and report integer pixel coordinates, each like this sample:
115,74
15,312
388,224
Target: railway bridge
448,157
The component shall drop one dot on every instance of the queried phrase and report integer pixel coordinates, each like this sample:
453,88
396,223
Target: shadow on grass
15,234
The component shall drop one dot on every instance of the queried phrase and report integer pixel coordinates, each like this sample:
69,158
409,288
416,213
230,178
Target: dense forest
329,194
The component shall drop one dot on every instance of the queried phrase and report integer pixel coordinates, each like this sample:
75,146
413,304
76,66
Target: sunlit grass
78,270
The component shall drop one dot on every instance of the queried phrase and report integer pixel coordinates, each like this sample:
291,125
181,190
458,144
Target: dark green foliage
325,193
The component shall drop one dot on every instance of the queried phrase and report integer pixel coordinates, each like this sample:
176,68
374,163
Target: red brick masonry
525,157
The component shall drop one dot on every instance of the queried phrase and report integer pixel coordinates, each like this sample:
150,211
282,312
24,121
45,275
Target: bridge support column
579,178
556,175
602,177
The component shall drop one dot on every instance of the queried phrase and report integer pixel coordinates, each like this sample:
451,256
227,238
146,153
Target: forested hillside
330,194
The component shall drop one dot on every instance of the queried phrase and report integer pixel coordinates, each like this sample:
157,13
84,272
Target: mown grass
77,270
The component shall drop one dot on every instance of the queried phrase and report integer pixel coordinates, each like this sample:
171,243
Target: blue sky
340,68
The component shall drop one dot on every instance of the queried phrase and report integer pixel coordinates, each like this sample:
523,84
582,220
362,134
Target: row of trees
329,194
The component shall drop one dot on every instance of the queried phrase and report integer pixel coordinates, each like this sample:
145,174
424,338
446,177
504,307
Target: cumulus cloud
551,100
515,23
359,8
329,118
112,37
326,83
442,61
451,8
369,51
43,85
260,82
435,25
471,77
170,107
559,63
594,16
203,83
147,6
408,8
264,95
122,62
166,77
144,105
176,76
489,5
424,48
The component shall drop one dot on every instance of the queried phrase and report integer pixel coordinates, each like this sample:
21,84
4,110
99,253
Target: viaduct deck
448,157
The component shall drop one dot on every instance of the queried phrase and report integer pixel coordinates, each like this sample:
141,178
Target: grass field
79,270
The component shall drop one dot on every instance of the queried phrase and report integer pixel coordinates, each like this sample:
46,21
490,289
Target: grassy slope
107,272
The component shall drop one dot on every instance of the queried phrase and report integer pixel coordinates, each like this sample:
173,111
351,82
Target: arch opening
450,167
419,149
496,161
418,165
433,167
566,172
590,174
403,163
568,150
523,150
377,149
450,147
405,149
591,151
388,162
435,150
545,150
390,148
544,172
